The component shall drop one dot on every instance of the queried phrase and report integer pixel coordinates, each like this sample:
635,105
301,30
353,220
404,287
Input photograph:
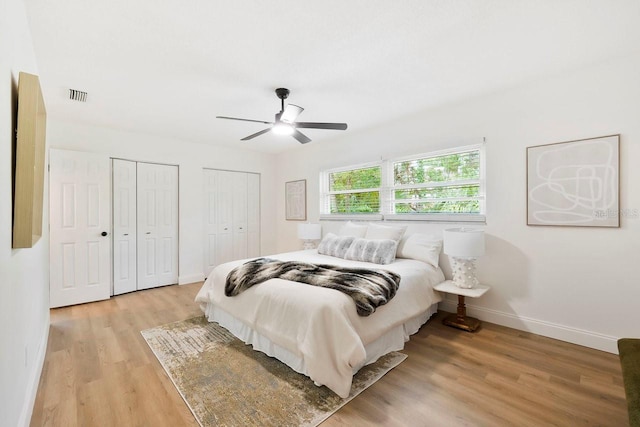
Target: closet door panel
224,210
239,183
167,208
146,225
239,200
253,215
124,227
157,225
210,219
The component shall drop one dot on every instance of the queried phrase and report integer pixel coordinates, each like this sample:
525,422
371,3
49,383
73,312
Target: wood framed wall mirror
29,169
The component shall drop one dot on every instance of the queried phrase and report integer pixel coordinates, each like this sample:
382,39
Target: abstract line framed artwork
574,183
296,200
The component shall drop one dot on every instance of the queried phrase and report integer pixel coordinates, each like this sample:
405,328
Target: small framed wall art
296,200
574,183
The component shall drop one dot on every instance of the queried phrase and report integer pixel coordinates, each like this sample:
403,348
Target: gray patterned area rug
226,383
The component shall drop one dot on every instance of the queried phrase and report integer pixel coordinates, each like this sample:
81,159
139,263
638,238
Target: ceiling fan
285,122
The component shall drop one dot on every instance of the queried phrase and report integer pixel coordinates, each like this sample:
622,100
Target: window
446,185
354,190
441,184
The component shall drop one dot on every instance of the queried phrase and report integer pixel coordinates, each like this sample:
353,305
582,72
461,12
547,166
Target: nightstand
460,319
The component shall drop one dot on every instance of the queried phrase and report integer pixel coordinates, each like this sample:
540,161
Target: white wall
576,284
24,273
191,159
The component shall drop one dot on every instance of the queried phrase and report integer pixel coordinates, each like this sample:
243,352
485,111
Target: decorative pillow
380,251
336,246
422,247
377,232
353,229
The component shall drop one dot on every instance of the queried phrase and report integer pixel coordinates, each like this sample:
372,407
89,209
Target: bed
316,331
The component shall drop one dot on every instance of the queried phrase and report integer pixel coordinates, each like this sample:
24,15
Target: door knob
104,233
148,232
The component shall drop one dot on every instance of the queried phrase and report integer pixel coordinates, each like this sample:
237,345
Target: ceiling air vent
77,95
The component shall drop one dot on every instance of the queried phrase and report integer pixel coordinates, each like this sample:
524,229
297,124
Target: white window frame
387,190
326,193
389,214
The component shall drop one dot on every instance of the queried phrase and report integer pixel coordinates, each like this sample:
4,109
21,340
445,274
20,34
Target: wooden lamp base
468,324
460,319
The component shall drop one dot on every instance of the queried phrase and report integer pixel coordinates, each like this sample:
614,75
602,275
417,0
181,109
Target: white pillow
422,247
377,232
353,229
381,251
333,245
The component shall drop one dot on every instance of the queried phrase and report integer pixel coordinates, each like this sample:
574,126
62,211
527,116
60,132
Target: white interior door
157,225
124,227
79,208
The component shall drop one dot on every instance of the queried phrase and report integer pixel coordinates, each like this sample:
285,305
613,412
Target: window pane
452,167
466,206
439,192
355,179
368,202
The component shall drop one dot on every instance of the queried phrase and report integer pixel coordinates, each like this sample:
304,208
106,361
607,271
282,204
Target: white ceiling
168,67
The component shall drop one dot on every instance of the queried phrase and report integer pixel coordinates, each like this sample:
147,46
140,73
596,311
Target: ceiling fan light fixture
281,128
285,122
291,113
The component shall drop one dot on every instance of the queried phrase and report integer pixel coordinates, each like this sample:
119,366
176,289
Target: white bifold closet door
145,213
231,217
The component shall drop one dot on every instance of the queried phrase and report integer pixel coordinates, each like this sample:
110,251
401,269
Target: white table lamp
309,233
464,246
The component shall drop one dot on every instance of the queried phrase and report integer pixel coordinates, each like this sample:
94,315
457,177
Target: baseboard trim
183,280
34,381
548,329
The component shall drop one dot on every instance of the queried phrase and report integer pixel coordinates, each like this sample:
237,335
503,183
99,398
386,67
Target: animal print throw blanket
369,289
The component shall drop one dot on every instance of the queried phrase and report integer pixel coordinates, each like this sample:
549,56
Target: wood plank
97,359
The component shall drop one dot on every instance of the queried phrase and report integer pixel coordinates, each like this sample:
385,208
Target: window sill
351,217
475,218
455,218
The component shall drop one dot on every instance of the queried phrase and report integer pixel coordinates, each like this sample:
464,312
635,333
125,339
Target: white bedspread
321,325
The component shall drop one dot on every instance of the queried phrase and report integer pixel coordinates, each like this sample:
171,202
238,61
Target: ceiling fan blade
246,138
302,139
291,113
312,125
244,120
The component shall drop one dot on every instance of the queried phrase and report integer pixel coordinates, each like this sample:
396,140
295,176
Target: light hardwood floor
99,371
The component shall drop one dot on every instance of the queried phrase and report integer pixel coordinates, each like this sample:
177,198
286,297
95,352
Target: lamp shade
309,231
464,242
